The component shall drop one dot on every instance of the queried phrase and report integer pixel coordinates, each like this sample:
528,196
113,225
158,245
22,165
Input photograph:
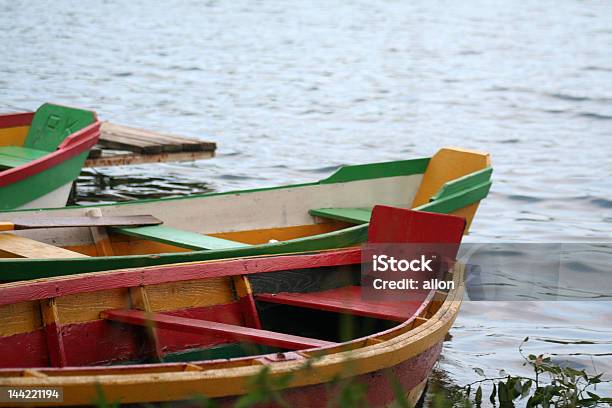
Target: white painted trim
55,198
254,210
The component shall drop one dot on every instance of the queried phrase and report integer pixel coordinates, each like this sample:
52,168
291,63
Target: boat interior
288,215
197,314
30,136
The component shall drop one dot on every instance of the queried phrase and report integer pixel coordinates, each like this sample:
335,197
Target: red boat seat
237,333
345,300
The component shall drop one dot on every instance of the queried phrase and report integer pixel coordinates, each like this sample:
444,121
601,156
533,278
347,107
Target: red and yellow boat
171,333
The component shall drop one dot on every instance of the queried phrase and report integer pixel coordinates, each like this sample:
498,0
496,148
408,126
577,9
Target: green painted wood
463,183
53,123
458,200
15,156
28,189
181,238
230,350
344,174
352,215
25,269
378,170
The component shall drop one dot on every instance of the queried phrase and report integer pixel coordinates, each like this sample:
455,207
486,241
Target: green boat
41,154
328,214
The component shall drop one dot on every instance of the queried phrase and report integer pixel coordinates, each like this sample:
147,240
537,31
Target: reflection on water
292,90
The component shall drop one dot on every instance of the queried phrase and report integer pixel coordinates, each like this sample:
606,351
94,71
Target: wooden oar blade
104,221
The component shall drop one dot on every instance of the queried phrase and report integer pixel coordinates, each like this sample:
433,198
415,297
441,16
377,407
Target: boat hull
265,221
44,181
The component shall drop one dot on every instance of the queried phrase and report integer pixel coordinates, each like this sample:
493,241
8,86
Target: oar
19,223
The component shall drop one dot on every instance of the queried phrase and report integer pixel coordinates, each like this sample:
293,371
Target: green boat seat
53,123
351,215
180,238
15,156
50,125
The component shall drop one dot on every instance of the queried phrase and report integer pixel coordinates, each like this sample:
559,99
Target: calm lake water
291,90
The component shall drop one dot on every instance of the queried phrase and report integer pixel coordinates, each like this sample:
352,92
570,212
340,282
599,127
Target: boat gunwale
408,343
73,145
344,174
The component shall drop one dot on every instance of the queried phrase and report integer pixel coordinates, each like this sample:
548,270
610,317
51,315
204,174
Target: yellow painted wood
242,285
234,379
101,241
7,226
21,317
263,236
13,136
48,312
33,373
140,301
28,248
448,164
187,294
85,307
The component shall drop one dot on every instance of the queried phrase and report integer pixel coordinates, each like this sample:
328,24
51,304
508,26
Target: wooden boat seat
51,124
180,238
352,215
345,300
21,247
237,333
15,156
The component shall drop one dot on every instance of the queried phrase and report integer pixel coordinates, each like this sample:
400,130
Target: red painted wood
379,385
408,374
249,312
36,290
55,345
9,120
24,350
73,145
238,333
347,300
104,342
172,340
413,226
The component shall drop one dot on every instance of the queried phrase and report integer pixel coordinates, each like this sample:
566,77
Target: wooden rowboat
331,213
41,154
170,332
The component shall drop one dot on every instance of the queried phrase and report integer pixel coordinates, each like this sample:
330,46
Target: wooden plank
418,227
53,333
345,300
102,242
109,159
140,301
27,222
352,215
448,164
111,132
238,333
169,274
29,248
121,142
244,292
165,139
181,238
